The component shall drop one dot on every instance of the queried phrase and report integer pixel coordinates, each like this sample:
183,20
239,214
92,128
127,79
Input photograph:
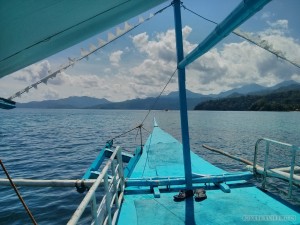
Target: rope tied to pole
80,186
126,132
109,143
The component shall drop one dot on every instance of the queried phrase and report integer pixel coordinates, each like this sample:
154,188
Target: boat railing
108,209
286,173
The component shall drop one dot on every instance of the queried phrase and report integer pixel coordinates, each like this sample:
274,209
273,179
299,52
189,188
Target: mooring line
156,99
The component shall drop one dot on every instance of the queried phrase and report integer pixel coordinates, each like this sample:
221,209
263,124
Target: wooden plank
277,174
224,187
228,155
180,181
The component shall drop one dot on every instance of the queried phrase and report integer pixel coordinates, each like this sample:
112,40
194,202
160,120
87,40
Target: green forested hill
277,101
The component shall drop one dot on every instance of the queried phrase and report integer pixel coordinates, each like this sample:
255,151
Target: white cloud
140,40
162,47
279,24
87,81
222,68
34,72
107,70
60,79
40,70
227,66
50,94
115,57
266,15
160,60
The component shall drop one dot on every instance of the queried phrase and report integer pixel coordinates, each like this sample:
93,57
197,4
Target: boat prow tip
154,122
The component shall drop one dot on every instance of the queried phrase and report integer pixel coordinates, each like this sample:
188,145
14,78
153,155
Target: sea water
61,144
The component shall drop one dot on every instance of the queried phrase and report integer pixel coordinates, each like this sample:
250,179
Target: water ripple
61,144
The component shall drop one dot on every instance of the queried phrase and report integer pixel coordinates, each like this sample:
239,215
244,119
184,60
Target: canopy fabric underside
34,30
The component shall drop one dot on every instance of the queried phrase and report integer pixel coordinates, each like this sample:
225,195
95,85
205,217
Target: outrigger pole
240,14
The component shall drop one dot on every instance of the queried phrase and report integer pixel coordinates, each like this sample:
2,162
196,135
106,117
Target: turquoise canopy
33,30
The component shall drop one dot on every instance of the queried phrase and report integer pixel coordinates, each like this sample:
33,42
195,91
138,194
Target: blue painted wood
182,97
156,192
94,166
162,156
245,206
224,187
213,179
92,172
242,12
126,157
133,161
162,159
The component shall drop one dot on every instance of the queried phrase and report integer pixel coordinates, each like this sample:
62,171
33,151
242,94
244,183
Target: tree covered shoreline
278,101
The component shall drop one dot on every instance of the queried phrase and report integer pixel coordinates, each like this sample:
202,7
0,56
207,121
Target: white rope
264,45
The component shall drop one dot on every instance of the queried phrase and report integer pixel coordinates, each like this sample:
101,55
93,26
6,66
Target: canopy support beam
182,98
239,15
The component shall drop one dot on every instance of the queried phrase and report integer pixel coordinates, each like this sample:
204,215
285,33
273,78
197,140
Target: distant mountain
283,84
65,103
249,88
170,101
189,94
255,89
285,98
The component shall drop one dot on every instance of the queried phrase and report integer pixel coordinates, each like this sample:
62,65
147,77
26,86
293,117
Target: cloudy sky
140,63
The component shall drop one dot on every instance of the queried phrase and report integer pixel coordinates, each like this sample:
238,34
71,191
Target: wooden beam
228,155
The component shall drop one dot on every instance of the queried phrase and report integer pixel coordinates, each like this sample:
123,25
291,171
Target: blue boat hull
154,204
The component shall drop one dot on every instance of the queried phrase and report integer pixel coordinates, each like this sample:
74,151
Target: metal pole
141,136
107,198
291,178
239,15
47,183
79,211
182,97
266,164
94,210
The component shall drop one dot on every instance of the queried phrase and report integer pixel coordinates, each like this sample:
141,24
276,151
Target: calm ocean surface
61,144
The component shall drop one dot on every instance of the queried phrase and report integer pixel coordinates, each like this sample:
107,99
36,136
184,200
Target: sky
139,64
